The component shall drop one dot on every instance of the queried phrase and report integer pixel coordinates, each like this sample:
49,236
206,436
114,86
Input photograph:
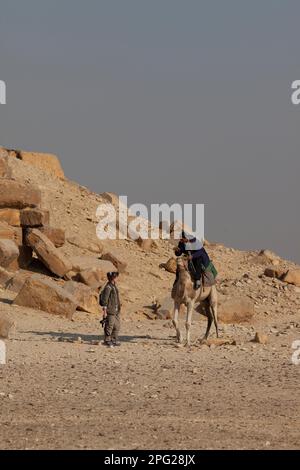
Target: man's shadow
88,339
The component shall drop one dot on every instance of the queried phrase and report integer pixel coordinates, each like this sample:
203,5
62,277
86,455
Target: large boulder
292,277
18,195
82,263
235,309
45,161
119,264
86,298
33,217
46,295
56,235
8,252
10,216
11,233
92,277
45,250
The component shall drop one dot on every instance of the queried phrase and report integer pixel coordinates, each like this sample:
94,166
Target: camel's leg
188,323
209,320
176,322
214,309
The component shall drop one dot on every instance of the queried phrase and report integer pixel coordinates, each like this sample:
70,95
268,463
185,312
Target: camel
183,293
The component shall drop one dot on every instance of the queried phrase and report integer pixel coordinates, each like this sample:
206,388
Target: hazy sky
165,101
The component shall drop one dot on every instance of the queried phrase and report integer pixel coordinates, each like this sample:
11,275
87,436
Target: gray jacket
110,298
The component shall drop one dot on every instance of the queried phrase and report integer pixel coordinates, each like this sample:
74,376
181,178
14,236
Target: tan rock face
235,309
292,277
11,233
56,235
45,161
34,217
8,252
10,216
46,295
5,171
55,261
15,194
86,297
119,265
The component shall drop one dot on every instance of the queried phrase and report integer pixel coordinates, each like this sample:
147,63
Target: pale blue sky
165,101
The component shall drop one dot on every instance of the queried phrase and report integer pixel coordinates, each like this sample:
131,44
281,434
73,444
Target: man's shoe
108,344
116,343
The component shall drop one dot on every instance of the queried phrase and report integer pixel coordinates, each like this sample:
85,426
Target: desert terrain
62,389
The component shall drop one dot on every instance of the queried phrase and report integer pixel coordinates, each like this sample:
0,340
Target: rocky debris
53,259
8,252
10,216
292,277
46,295
15,194
6,326
170,265
235,309
267,257
34,217
93,247
146,244
56,235
274,272
86,298
260,338
119,265
45,161
5,277
5,170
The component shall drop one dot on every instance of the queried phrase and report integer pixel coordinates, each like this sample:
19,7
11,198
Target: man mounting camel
199,262
194,269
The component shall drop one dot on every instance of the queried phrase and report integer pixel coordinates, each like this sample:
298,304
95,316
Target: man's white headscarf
193,243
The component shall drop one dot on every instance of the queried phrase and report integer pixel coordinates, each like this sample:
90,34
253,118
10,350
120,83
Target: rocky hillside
51,259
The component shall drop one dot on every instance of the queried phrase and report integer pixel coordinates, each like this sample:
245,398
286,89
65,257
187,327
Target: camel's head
182,263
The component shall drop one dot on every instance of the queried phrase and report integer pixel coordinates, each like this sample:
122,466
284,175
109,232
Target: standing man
110,303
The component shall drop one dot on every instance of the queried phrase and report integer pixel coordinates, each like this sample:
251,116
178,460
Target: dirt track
148,393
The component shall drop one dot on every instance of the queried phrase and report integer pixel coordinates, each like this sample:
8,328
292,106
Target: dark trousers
112,327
